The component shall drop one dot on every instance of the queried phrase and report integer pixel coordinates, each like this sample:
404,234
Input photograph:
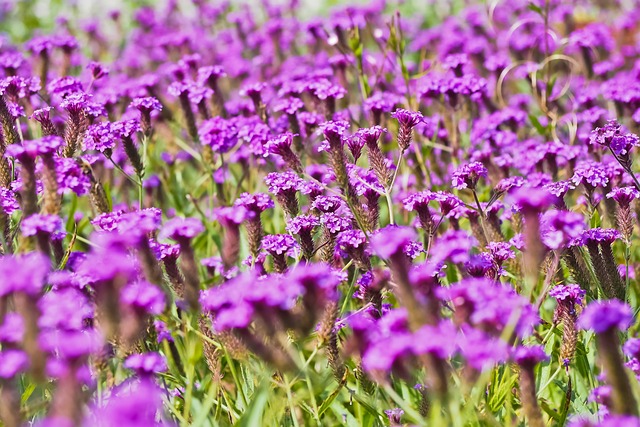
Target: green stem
387,191
234,375
292,407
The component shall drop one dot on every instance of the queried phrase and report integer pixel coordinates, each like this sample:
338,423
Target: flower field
390,213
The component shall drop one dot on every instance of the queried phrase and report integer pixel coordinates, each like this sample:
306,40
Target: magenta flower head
232,216
327,204
12,363
355,145
37,223
97,70
530,356
467,176
624,195
352,244
612,137
146,364
257,203
604,316
571,293
531,200
370,136
144,297
302,224
281,146
279,244
181,229
23,273
334,132
131,403
285,186
146,104
453,246
8,202
597,235
407,120
558,228
392,240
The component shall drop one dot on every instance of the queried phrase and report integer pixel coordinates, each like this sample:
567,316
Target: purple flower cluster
220,189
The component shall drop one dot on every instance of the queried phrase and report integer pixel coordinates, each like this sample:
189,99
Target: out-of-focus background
24,18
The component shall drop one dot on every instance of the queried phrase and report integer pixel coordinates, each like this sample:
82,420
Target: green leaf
542,130
253,415
535,8
26,394
595,221
329,400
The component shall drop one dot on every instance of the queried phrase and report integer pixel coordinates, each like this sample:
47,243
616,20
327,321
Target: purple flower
530,356
604,316
479,265
218,133
98,70
144,297
350,240
590,174
66,308
500,251
283,182
624,195
417,201
596,235
280,144
531,200
8,202
76,102
327,204
233,215
413,249
632,347
41,114
436,340
395,415
12,329
181,228
147,104
480,350
140,223
38,223
370,136
146,364
612,137
12,362
507,184
407,118
101,137
23,273
453,246
132,403
163,332
279,244
490,305
258,202
392,240
558,228
467,176
304,223
336,223
71,344
570,293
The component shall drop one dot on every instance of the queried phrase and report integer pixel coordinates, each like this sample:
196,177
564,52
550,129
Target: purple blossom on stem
467,175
